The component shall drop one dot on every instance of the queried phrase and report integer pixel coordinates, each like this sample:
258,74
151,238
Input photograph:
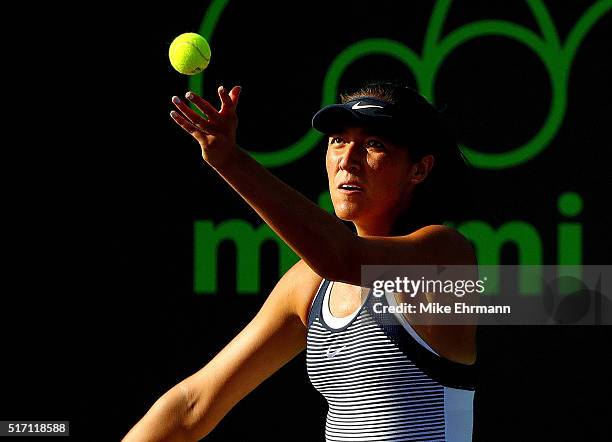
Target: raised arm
328,247
192,408
298,221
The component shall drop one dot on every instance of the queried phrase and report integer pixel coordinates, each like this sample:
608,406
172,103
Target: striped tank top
382,382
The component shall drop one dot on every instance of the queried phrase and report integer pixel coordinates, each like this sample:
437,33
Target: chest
345,299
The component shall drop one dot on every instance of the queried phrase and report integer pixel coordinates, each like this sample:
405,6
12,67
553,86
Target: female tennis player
385,379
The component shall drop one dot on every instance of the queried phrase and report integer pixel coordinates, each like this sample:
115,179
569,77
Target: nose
349,158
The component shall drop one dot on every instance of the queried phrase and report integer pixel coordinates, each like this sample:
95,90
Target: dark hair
446,193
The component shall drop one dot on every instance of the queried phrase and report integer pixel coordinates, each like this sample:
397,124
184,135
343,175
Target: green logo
488,240
556,57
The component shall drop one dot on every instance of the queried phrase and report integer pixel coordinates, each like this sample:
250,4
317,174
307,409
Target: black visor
368,112
408,126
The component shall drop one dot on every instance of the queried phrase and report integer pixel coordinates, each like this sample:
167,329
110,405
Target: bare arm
299,222
191,409
304,226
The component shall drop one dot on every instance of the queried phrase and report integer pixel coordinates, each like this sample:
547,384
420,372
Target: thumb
235,94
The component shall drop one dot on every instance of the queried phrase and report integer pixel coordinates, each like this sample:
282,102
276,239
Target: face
369,177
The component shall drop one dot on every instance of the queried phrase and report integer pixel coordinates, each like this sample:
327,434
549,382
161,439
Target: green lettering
247,242
489,242
569,243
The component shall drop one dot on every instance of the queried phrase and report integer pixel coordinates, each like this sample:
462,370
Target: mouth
350,188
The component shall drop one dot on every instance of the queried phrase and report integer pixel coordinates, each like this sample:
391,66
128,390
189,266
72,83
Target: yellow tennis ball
189,53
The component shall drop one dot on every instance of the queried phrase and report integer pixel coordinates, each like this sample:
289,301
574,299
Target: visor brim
337,117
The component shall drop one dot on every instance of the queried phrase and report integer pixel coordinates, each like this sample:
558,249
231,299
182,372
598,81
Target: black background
104,190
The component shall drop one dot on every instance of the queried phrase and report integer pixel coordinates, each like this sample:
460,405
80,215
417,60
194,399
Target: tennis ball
189,53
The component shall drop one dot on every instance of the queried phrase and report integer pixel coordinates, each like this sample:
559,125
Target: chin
346,212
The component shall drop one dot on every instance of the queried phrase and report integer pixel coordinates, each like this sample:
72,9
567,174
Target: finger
226,101
235,94
192,115
188,126
207,108
229,101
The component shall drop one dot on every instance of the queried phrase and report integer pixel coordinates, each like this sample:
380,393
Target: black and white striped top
382,382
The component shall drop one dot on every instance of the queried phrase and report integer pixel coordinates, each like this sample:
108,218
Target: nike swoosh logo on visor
358,105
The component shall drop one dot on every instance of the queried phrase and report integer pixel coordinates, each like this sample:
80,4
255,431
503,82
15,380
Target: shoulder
302,284
444,245
448,246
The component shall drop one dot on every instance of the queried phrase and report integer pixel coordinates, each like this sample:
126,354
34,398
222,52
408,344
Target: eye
375,144
336,140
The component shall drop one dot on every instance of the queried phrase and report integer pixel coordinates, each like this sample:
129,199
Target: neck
373,229
381,225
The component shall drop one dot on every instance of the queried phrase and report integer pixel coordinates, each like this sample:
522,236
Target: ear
420,170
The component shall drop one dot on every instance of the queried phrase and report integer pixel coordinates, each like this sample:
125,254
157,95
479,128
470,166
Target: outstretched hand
216,133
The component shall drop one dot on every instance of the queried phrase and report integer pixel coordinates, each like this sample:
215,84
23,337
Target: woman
384,378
